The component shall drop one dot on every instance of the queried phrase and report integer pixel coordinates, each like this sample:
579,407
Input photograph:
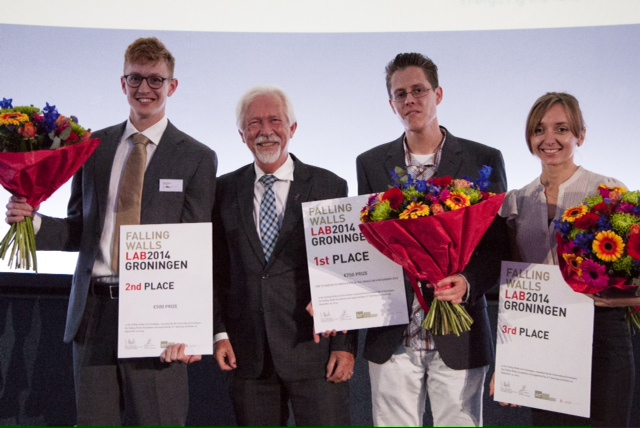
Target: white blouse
526,211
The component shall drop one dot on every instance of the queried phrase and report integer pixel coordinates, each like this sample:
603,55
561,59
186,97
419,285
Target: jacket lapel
102,164
395,158
298,193
245,195
165,158
451,159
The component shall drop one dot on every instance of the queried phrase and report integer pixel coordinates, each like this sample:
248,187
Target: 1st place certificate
545,333
353,285
166,289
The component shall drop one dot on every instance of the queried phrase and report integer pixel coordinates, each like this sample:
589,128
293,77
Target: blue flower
6,103
421,186
584,241
604,224
394,176
483,181
564,227
51,115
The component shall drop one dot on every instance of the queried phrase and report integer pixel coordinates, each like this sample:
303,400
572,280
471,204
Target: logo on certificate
544,396
362,314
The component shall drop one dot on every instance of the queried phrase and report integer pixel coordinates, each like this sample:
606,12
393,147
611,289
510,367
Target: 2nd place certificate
166,289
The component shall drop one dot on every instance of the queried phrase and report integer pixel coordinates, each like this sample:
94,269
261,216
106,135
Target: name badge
170,185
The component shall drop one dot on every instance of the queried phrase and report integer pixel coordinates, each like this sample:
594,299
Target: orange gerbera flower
457,200
415,210
574,262
573,213
13,118
608,246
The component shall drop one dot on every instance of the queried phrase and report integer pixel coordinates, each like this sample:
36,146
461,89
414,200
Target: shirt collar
284,173
153,133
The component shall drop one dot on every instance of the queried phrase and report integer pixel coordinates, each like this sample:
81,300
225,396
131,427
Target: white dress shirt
102,266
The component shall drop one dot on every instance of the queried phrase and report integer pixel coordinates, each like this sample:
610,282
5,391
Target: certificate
545,333
166,289
353,285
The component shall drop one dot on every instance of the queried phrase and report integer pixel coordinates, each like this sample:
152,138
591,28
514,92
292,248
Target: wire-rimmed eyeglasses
401,96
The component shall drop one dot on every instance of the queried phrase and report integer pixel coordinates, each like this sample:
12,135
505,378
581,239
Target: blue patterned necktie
268,216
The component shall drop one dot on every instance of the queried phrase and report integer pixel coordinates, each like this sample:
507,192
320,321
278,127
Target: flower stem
445,318
21,239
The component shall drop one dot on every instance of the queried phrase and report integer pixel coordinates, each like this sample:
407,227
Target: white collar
284,173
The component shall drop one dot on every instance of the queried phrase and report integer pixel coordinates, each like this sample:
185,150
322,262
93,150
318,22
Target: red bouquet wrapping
432,229
39,152
36,175
599,245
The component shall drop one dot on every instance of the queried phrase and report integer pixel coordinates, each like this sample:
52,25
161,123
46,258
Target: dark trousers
129,391
265,401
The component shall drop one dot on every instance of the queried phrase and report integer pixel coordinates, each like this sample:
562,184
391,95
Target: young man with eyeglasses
406,362
109,390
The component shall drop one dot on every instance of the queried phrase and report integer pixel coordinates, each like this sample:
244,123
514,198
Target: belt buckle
111,288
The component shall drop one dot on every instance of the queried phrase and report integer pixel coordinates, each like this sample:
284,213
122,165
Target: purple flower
594,274
625,207
6,103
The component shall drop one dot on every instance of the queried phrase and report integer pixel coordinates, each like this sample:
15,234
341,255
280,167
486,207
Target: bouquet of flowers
431,228
39,151
599,245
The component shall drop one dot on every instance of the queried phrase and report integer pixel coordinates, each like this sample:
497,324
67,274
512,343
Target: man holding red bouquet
136,391
406,362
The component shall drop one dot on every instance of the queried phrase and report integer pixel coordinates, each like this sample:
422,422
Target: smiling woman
555,129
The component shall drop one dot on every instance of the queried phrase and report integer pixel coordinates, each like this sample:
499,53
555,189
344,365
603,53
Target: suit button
265,276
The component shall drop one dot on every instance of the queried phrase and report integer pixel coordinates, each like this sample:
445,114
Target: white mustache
270,139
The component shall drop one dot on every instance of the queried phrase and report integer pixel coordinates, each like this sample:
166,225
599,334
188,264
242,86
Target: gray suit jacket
460,158
178,156
261,306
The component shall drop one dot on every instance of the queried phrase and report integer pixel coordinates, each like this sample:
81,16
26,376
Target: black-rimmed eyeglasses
154,82
416,93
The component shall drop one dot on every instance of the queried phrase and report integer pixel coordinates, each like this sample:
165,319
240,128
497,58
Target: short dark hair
149,50
544,104
412,59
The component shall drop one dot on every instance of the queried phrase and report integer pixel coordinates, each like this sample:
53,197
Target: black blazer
460,158
178,156
261,306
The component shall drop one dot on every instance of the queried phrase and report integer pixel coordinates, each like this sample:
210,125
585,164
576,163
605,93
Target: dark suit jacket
178,156
261,306
460,158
